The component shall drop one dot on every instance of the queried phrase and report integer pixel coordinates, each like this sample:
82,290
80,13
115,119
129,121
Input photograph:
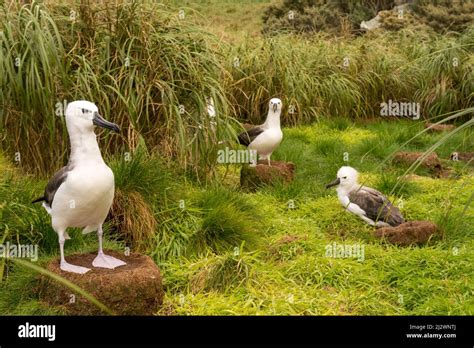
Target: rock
408,233
431,161
439,127
262,174
133,289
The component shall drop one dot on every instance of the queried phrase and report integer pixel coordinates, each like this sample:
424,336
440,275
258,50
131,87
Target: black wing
54,184
246,137
376,206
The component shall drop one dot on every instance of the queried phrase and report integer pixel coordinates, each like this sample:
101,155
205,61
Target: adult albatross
81,193
369,204
265,138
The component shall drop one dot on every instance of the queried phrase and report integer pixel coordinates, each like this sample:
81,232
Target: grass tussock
150,72
146,71
134,219
227,220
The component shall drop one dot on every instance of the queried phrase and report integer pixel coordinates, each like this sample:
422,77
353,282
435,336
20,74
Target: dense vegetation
222,250
343,17
150,72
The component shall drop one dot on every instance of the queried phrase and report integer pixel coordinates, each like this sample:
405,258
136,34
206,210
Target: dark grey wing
377,207
246,137
54,184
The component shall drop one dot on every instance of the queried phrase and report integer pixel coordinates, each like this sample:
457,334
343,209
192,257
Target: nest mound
408,233
133,289
439,127
262,174
431,161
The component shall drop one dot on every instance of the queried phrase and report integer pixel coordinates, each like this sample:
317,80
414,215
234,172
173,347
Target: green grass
229,20
228,252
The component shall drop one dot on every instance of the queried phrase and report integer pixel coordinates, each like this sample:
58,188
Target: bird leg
381,224
102,260
366,219
64,265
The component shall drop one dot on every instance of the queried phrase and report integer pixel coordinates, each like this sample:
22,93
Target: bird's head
275,105
346,178
82,116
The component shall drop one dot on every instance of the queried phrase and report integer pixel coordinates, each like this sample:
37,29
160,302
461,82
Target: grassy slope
290,274
286,271
229,20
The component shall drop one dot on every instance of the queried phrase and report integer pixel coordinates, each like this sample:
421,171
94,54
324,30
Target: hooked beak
333,183
275,107
101,122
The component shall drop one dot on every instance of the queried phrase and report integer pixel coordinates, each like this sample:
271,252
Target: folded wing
246,137
377,207
54,183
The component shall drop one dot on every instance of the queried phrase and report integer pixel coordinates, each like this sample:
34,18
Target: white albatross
81,193
211,111
265,138
369,204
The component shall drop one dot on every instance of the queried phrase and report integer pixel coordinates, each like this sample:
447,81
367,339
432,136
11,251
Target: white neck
344,190
273,120
84,148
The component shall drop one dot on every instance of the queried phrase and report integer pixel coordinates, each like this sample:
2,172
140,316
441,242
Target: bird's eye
84,111
344,177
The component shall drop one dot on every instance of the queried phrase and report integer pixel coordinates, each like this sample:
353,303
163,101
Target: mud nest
431,162
133,289
408,233
439,127
262,174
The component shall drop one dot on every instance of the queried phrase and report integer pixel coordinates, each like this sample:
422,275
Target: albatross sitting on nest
369,204
265,138
81,193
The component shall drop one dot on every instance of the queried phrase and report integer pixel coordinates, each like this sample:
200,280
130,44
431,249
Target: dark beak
101,122
334,183
275,107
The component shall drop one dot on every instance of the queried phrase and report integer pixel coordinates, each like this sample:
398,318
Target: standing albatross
369,204
81,193
265,138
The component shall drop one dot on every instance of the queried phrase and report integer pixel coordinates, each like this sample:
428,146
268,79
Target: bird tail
39,200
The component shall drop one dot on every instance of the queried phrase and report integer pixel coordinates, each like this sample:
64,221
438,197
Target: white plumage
265,138
367,203
81,194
